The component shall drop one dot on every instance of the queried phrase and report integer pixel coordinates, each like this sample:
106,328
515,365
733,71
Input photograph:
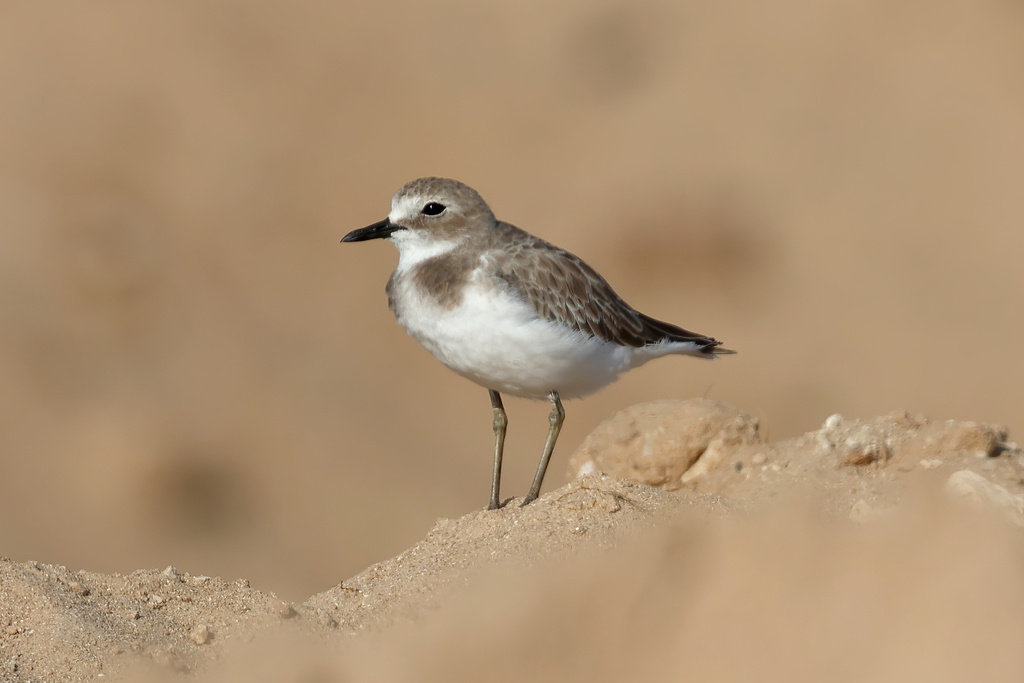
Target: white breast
497,341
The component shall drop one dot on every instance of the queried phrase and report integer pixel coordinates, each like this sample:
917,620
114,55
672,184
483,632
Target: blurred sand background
195,372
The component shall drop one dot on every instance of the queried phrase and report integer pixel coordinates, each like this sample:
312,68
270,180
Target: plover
512,312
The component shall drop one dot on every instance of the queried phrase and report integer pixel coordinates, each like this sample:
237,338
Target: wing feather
562,288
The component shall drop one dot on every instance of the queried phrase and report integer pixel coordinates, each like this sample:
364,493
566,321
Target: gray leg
500,424
555,419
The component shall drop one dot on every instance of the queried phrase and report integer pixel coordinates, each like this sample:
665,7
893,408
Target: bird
511,312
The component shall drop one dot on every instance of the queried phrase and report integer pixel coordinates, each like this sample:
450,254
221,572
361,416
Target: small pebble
200,635
832,423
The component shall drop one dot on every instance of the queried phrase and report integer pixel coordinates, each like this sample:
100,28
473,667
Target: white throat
414,247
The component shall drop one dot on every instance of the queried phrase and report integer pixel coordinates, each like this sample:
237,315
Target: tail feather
661,332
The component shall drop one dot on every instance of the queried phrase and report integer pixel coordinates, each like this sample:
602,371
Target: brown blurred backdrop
194,371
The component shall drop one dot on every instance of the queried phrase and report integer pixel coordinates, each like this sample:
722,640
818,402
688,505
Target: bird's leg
555,419
500,424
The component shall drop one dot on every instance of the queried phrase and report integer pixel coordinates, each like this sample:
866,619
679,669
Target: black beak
376,231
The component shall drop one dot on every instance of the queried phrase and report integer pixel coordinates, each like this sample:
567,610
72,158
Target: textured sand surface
815,566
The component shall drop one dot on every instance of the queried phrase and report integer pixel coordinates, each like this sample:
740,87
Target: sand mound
745,562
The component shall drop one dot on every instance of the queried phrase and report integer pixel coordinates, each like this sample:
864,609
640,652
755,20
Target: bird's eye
433,209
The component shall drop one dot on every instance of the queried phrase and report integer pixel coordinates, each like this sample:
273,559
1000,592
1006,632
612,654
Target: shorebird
511,312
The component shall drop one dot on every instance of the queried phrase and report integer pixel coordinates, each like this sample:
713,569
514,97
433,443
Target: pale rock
666,443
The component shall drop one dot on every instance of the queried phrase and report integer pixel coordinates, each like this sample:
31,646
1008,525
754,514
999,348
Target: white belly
500,343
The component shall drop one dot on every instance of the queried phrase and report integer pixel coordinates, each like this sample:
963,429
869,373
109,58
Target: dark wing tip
659,330
715,349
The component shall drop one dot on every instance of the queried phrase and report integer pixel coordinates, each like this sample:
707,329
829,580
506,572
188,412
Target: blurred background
193,370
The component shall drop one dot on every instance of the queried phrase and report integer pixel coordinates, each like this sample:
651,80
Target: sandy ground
882,550
195,373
